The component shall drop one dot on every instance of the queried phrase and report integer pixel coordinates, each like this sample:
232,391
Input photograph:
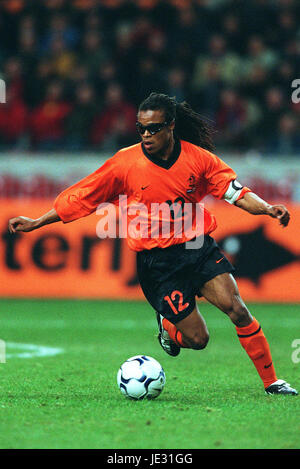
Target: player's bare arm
257,206
26,224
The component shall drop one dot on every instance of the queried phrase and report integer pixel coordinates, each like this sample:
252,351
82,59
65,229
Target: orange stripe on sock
174,333
256,345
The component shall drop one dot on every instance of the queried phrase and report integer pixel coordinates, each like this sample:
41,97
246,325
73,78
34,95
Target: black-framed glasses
152,128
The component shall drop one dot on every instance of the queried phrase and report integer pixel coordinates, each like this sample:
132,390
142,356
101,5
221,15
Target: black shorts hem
213,275
174,319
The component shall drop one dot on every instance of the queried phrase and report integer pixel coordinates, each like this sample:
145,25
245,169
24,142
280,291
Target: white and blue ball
141,377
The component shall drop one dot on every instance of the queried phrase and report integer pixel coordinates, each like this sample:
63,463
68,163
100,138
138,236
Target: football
141,377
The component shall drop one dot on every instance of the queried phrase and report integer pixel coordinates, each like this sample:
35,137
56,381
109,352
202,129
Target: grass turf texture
212,399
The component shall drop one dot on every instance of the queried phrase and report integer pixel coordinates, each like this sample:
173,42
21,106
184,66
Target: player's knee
237,311
199,341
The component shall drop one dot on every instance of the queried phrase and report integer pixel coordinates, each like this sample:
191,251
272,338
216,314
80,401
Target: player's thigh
222,291
194,328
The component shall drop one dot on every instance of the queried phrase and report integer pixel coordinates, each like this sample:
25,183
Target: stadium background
75,72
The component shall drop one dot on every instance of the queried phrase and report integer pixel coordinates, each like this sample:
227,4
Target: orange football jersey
151,185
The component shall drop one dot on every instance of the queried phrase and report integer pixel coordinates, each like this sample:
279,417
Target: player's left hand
281,213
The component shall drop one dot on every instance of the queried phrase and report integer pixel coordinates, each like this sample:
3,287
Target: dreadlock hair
189,125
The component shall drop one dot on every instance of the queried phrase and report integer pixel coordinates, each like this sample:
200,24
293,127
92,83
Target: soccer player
174,166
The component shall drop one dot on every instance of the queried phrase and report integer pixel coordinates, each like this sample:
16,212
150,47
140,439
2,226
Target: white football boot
281,387
165,340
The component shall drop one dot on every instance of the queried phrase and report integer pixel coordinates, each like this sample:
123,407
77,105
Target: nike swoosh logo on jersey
144,187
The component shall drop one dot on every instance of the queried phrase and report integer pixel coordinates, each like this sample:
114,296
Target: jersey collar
167,164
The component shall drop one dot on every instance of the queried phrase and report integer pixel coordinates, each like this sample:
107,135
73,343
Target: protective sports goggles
152,128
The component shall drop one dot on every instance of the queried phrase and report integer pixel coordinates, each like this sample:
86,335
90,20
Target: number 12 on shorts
170,300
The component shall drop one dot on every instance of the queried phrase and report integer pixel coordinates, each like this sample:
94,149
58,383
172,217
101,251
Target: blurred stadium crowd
76,70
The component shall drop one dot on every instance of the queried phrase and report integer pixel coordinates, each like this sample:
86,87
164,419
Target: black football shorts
171,277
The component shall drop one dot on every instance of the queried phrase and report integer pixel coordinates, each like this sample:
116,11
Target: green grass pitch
212,399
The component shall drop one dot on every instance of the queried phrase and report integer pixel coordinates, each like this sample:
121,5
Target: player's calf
193,330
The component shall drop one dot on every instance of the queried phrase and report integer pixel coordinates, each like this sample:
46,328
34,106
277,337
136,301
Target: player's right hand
21,224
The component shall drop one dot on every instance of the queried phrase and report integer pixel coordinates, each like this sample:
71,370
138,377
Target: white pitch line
31,350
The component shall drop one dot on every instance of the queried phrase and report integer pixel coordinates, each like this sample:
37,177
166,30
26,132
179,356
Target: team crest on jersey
191,184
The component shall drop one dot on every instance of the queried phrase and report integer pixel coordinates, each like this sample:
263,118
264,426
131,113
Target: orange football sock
174,333
256,345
